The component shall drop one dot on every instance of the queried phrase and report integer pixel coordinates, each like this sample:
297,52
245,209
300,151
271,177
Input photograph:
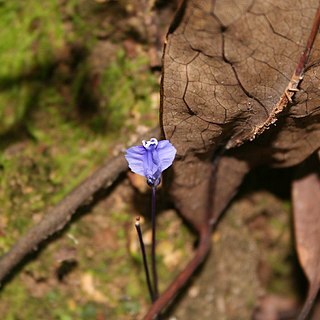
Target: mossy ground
68,101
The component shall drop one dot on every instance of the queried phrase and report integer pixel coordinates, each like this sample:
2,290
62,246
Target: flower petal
166,153
151,159
137,159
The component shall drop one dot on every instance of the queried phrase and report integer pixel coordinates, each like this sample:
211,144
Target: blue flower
151,159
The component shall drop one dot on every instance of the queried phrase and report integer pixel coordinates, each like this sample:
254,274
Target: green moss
126,90
89,311
42,173
279,256
121,217
27,52
131,307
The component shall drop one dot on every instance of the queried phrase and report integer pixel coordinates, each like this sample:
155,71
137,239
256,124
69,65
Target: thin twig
144,258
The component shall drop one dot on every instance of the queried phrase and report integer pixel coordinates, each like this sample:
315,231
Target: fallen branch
58,217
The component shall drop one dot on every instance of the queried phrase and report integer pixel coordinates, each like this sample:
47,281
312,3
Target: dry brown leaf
230,70
306,196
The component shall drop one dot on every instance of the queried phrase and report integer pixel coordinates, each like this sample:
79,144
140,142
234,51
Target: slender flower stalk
144,258
153,245
150,160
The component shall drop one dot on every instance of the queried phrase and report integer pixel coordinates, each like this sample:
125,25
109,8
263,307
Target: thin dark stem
144,258
153,244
